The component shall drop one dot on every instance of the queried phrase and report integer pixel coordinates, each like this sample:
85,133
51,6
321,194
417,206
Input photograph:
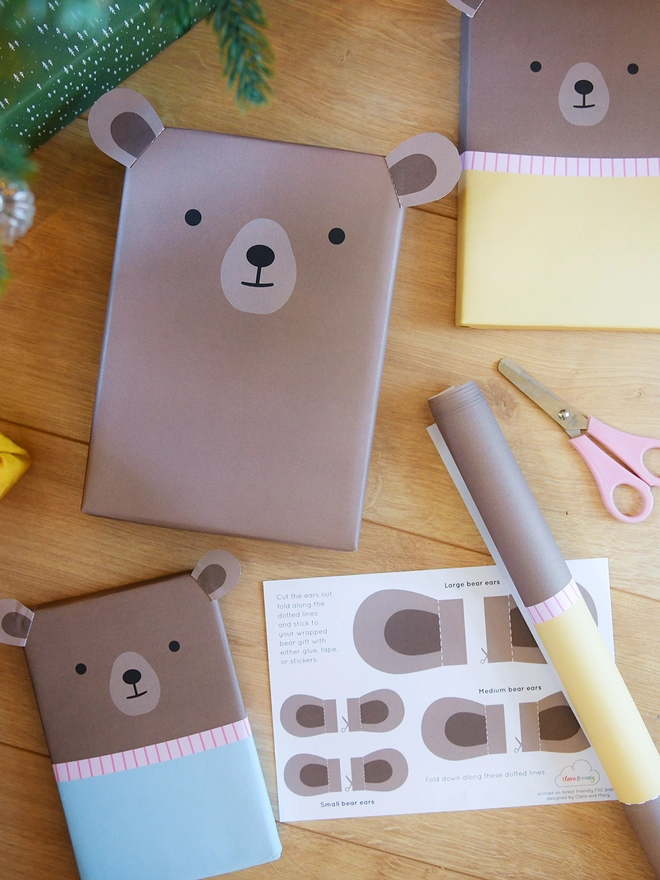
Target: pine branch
14,164
244,49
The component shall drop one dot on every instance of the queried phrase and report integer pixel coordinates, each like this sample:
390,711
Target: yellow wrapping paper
14,461
548,251
603,703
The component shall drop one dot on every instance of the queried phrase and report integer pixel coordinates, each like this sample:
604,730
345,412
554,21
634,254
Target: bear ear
469,7
15,622
123,124
217,572
424,168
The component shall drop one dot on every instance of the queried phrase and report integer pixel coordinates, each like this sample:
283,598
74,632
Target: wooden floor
359,76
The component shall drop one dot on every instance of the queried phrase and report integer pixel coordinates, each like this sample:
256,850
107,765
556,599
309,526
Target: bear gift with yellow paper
560,190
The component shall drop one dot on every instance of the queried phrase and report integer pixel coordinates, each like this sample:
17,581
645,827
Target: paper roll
569,634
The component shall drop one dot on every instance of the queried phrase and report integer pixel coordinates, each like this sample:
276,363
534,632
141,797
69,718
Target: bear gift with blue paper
560,143
152,750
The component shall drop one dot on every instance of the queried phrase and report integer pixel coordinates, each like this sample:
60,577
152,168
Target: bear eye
174,646
336,235
193,217
535,66
633,68
81,669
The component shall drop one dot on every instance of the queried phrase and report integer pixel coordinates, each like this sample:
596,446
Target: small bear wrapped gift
152,750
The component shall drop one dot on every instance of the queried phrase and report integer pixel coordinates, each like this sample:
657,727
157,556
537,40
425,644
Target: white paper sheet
312,651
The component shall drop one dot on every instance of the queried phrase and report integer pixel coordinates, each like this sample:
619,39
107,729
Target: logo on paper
580,773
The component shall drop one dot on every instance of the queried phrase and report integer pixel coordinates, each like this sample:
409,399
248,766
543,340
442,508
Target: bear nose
132,676
260,255
583,87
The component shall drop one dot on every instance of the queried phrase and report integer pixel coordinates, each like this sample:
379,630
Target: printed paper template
423,691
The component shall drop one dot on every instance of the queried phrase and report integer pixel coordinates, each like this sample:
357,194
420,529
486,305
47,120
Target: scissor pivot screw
564,414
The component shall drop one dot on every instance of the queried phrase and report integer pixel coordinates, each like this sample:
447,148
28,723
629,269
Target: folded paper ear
469,7
123,124
15,622
217,572
424,168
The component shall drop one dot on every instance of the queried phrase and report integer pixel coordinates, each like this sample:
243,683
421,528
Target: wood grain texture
358,76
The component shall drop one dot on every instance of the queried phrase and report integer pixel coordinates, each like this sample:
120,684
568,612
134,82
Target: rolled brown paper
537,568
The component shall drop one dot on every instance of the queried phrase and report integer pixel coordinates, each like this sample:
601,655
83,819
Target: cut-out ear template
383,770
15,622
469,7
247,321
551,726
310,775
423,169
456,729
377,712
139,701
304,715
399,631
508,637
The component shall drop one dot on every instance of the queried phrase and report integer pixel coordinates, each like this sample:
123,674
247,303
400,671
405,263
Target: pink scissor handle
630,448
609,474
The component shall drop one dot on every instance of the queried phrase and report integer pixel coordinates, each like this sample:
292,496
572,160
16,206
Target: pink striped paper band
557,604
154,754
559,166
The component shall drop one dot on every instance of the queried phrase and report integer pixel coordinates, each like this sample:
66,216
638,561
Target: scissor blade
570,419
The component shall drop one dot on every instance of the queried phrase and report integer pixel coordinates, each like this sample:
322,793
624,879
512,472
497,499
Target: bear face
246,325
131,667
561,78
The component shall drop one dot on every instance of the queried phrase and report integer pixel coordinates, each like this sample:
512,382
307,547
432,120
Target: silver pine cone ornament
16,211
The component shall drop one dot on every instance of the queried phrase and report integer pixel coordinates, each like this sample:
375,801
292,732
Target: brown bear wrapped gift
246,325
152,750
559,199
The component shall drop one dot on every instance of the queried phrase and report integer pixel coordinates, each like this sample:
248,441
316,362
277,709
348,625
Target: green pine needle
4,272
14,164
244,49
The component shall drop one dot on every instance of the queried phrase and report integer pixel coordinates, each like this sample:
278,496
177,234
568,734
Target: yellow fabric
14,461
603,703
541,251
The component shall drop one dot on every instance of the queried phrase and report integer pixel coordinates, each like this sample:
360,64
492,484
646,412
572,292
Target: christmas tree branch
246,53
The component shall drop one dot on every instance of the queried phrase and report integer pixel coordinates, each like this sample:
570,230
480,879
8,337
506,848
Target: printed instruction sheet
421,691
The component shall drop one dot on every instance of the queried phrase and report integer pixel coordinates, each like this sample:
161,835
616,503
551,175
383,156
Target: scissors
615,459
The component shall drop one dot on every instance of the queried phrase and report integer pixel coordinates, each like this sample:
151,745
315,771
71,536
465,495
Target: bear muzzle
134,684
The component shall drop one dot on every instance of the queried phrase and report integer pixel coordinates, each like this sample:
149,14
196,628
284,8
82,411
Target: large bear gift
246,325
152,751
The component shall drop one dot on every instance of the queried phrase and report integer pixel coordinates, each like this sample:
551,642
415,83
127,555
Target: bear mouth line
583,105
